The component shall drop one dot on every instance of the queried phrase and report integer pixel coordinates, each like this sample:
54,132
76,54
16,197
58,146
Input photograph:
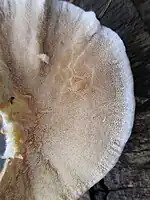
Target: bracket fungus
72,109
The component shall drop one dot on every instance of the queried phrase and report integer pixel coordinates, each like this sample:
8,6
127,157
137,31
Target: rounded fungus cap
82,98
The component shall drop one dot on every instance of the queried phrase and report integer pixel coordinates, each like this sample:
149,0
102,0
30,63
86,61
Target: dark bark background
130,178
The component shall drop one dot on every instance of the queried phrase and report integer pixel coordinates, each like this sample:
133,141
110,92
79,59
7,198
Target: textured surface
77,99
130,178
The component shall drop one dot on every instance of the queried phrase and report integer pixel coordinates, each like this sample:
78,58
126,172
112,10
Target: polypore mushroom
73,103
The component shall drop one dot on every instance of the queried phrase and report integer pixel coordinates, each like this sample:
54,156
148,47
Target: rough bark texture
130,178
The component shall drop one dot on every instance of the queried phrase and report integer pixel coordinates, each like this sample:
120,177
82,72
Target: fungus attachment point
13,135
11,113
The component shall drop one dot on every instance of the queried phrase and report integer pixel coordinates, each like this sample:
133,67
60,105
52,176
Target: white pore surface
85,102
